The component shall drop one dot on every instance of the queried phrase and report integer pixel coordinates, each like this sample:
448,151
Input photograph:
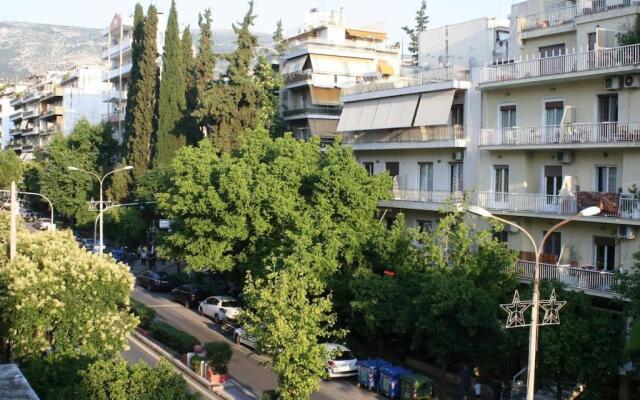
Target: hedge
175,339
146,314
218,355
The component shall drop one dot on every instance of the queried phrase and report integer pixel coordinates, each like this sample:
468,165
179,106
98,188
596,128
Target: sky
393,13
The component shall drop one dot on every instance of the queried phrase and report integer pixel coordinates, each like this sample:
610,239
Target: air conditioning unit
626,232
612,83
631,81
565,157
458,156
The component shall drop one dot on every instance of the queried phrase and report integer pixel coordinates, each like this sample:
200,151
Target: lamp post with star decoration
517,308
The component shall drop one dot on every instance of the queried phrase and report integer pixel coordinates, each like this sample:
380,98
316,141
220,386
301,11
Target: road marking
163,305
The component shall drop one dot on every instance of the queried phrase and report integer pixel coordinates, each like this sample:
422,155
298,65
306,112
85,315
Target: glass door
551,59
607,116
425,181
553,118
501,183
552,186
456,177
604,253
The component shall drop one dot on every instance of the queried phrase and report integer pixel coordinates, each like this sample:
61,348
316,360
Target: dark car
152,280
190,295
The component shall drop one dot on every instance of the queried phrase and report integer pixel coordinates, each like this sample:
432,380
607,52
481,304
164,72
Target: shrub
179,278
177,340
195,363
270,395
218,355
146,314
56,375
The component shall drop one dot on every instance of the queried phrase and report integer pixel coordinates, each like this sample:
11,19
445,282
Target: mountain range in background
27,48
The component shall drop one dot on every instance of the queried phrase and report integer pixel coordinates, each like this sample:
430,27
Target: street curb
184,370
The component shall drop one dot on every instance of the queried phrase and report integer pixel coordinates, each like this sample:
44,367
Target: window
393,167
553,245
425,177
606,179
424,226
553,112
369,167
608,108
501,178
508,116
457,114
552,180
604,253
457,183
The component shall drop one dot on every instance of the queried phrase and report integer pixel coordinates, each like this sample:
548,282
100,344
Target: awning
347,117
357,115
385,68
341,65
325,95
325,128
294,65
324,80
369,109
366,34
434,108
395,112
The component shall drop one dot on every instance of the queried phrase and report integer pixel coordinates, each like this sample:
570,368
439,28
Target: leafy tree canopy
10,168
422,19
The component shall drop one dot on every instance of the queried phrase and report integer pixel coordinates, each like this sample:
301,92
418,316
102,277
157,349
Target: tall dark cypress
189,123
143,110
171,99
136,54
203,72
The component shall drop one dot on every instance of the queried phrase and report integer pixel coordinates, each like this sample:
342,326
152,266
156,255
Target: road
245,366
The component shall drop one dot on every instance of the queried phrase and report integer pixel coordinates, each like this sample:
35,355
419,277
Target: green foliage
270,395
269,83
137,49
203,71
116,380
55,294
189,123
218,355
56,375
171,100
10,168
422,19
31,183
632,36
119,188
177,340
145,314
278,39
145,89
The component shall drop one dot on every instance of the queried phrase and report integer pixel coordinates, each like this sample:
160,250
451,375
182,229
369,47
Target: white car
220,308
241,337
340,361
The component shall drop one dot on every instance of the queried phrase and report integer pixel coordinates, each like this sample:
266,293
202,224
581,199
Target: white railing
425,134
114,72
563,63
582,133
586,7
436,197
573,277
407,80
355,44
548,19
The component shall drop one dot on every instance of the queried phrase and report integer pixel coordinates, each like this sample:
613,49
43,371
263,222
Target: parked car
340,361
190,294
42,224
241,337
153,280
220,308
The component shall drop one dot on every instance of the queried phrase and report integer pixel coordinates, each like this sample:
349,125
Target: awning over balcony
385,68
294,65
325,96
342,65
434,108
365,34
357,116
395,112
324,128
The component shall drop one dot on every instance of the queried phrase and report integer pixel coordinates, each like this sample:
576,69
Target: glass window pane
613,185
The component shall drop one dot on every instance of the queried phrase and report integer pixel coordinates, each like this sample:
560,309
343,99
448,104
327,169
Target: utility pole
14,222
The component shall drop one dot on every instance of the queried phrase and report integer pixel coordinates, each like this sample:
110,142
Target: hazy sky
393,13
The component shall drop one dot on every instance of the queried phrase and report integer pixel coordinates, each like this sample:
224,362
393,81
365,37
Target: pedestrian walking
477,388
143,256
465,381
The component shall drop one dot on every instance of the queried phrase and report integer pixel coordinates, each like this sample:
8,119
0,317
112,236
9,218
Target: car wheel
201,311
237,339
216,319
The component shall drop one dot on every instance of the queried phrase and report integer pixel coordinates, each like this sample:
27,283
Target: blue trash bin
389,384
369,372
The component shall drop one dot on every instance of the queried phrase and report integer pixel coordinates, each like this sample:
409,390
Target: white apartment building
323,56
6,109
423,125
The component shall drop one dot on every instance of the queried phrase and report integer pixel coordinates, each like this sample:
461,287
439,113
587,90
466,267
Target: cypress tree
171,99
203,72
422,19
278,39
139,142
270,83
189,123
136,53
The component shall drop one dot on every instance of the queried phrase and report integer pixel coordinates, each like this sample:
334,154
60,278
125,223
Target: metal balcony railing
298,76
586,7
547,19
573,277
582,133
425,134
429,196
563,63
313,109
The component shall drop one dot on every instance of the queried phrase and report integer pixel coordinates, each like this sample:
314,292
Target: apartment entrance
604,251
552,182
425,181
607,116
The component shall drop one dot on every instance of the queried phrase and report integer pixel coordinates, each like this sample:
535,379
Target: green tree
278,39
632,36
145,92
269,84
136,56
125,226
189,123
56,295
171,99
203,71
10,168
422,19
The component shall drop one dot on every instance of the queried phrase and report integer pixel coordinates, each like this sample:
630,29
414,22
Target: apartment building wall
83,96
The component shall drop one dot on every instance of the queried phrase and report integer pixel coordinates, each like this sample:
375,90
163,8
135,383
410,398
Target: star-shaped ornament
551,310
516,310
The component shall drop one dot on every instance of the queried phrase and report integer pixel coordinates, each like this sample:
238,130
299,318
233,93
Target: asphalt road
245,367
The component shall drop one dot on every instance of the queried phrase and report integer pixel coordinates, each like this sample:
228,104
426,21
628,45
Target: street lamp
533,330
101,180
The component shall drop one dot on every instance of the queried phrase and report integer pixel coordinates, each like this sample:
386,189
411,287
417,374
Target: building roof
13,385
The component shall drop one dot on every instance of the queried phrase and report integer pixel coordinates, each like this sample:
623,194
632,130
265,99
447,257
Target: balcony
115,50
53,93
52,111
15,101
29,114
296,77
425,137
15,131
591,281
15,116
582,135
114,95
588,7
577,64
113,117
31,96
547,19
614,205
115,72
419,78
305,111
416,199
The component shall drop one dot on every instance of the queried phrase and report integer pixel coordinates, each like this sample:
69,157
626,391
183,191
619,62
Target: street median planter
179,341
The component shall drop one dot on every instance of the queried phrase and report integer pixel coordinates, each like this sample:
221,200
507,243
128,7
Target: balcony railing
298,76
426,134
548,19
582,133
563,64
16,115
51,111
573,277
622,207
586,7
313,109
408,80
425,196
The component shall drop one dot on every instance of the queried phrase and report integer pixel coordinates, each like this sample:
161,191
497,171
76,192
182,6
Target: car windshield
343,355
230,304
162,275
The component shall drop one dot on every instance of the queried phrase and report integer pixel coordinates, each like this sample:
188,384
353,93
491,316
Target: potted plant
218,355
635,209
